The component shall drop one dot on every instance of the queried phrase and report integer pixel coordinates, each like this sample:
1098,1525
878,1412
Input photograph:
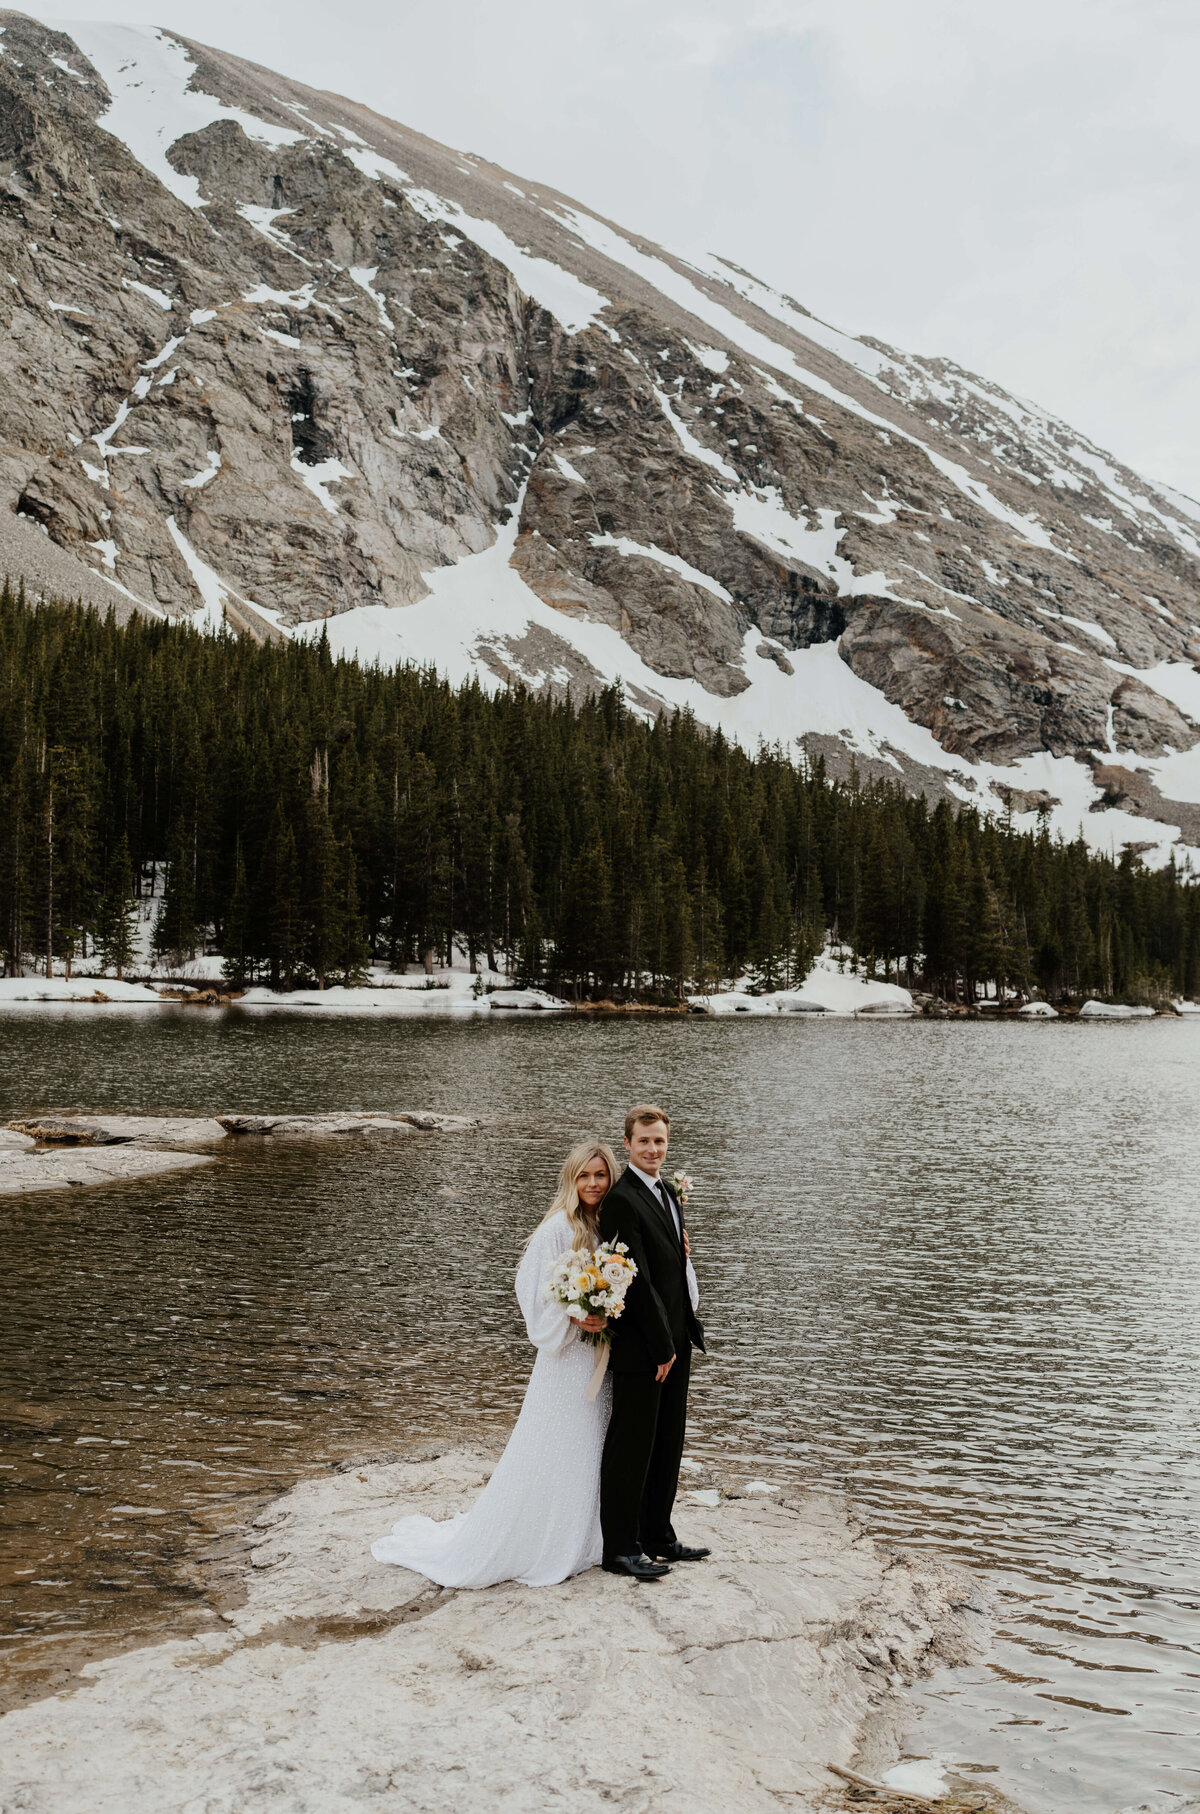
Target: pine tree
563,836
285,923
237,959
324,899
354,951
117,916
678,947
175,932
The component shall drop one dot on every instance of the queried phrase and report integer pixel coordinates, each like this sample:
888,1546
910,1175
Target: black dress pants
639,1473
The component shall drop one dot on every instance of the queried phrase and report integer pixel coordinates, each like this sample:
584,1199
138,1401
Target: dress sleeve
693,1286
548,1325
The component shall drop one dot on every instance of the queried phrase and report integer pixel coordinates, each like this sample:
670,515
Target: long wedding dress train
537,1520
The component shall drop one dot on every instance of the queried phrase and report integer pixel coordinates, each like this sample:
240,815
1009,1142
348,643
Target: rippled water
953,1268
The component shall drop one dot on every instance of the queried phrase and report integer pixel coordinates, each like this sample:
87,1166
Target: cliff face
268,356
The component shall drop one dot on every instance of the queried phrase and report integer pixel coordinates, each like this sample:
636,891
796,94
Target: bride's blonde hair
584,1229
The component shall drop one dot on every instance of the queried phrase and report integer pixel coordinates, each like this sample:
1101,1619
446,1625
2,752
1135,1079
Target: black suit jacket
658,1320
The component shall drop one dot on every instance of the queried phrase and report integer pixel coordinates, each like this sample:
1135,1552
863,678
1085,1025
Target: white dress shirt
664,1196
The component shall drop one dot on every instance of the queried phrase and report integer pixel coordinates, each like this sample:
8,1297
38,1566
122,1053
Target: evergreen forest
311,816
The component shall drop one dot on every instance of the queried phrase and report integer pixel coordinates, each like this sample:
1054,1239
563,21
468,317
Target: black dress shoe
639,1567
680,1552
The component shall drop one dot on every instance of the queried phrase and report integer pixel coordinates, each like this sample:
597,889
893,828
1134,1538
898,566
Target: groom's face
647,1146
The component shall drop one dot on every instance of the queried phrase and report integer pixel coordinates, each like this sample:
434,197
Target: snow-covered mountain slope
269,357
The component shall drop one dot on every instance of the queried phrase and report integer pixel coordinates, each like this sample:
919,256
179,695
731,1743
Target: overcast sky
1012,184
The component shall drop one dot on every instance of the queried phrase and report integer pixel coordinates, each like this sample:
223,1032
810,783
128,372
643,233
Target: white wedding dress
537,1520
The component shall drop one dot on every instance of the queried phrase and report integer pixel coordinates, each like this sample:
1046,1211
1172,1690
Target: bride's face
593,1183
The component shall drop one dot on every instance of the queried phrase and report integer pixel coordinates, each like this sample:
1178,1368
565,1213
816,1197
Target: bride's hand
687,1245
592,1325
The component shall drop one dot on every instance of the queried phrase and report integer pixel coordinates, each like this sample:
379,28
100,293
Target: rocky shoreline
56,1151
775,1670
831,990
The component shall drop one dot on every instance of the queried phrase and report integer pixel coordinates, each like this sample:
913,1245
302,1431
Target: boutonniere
683,1186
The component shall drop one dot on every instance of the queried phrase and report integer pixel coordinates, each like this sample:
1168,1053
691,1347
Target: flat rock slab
310,1126
55,1168
723,1689
10,1137
117,1130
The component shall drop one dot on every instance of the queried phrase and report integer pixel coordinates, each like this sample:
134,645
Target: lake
951,1269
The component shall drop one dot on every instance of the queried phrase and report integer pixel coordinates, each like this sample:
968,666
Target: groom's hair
642,1115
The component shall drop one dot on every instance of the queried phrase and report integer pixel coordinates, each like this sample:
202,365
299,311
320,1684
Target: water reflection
951,1267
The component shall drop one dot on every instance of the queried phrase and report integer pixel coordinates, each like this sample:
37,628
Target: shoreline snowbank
339,1679
830,989
827,989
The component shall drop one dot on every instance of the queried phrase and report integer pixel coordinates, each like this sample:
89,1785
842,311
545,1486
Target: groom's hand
662,1372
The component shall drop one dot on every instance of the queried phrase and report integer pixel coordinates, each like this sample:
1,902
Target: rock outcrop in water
342,1682
50,1152
269,357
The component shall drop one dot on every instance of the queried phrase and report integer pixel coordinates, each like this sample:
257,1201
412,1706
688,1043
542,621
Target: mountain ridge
275,359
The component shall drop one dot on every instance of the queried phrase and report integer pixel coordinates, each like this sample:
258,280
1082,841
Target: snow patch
1177,681
290,299
690,444
763,515
693,575
1097,631
149,75
364,276
22,989
146,289
263,221
711,357
1111,1010
206,475
866,359
826,990
163,354
679,289
368,162
924,1776
408,999
318,478
575,305
1094,630
211,587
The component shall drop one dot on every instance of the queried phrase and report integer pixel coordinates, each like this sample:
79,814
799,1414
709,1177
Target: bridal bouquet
592,1284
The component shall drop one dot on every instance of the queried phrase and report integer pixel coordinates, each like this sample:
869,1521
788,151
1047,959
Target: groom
650,1361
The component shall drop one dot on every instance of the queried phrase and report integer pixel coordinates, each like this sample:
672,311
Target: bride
538,1518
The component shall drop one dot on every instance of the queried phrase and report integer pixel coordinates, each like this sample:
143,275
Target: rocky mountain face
268,357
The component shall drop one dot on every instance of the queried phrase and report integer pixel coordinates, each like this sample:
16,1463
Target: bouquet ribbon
598,1371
